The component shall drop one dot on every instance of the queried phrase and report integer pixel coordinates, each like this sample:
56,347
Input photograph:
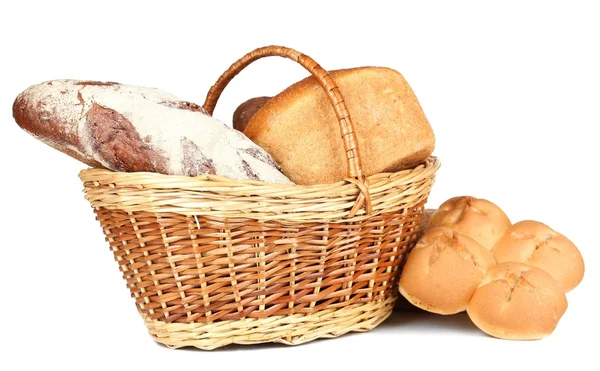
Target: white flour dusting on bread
131,128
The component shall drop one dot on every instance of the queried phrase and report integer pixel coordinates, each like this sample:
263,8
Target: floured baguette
130,128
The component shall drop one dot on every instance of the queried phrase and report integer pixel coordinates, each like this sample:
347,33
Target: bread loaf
299,128
245,111
129,128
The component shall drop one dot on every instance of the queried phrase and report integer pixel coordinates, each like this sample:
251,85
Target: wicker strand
220,197
288,330
212,261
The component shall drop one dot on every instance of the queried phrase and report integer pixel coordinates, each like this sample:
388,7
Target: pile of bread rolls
512,279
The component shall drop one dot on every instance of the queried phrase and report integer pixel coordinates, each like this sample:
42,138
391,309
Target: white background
512,91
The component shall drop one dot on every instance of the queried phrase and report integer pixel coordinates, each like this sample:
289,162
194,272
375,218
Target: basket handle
334,95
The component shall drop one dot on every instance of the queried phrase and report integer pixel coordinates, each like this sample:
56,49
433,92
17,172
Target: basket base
290,330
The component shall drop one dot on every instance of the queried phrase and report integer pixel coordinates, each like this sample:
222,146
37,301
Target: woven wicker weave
211,261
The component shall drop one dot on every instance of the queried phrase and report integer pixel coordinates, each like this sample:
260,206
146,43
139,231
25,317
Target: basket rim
157,180
223,198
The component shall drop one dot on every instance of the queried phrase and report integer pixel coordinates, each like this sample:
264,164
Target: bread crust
300,129
516,301
130,128
245,111
443,270
536,244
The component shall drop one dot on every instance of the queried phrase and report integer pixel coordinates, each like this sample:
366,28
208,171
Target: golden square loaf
298,127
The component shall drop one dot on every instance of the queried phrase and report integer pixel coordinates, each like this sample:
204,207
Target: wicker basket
211,261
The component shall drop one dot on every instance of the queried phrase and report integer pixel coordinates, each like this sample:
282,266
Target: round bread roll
516,301
477,218
538,245
443,270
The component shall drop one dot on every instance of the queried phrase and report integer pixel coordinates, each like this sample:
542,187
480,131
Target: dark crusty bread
245,111
298,126
129,128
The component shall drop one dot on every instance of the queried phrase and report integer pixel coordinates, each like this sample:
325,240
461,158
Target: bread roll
517,302
245,111
300,129
538,245
477,218
130,128
443,270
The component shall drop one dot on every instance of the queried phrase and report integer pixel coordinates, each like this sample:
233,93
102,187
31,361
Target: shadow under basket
212,261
